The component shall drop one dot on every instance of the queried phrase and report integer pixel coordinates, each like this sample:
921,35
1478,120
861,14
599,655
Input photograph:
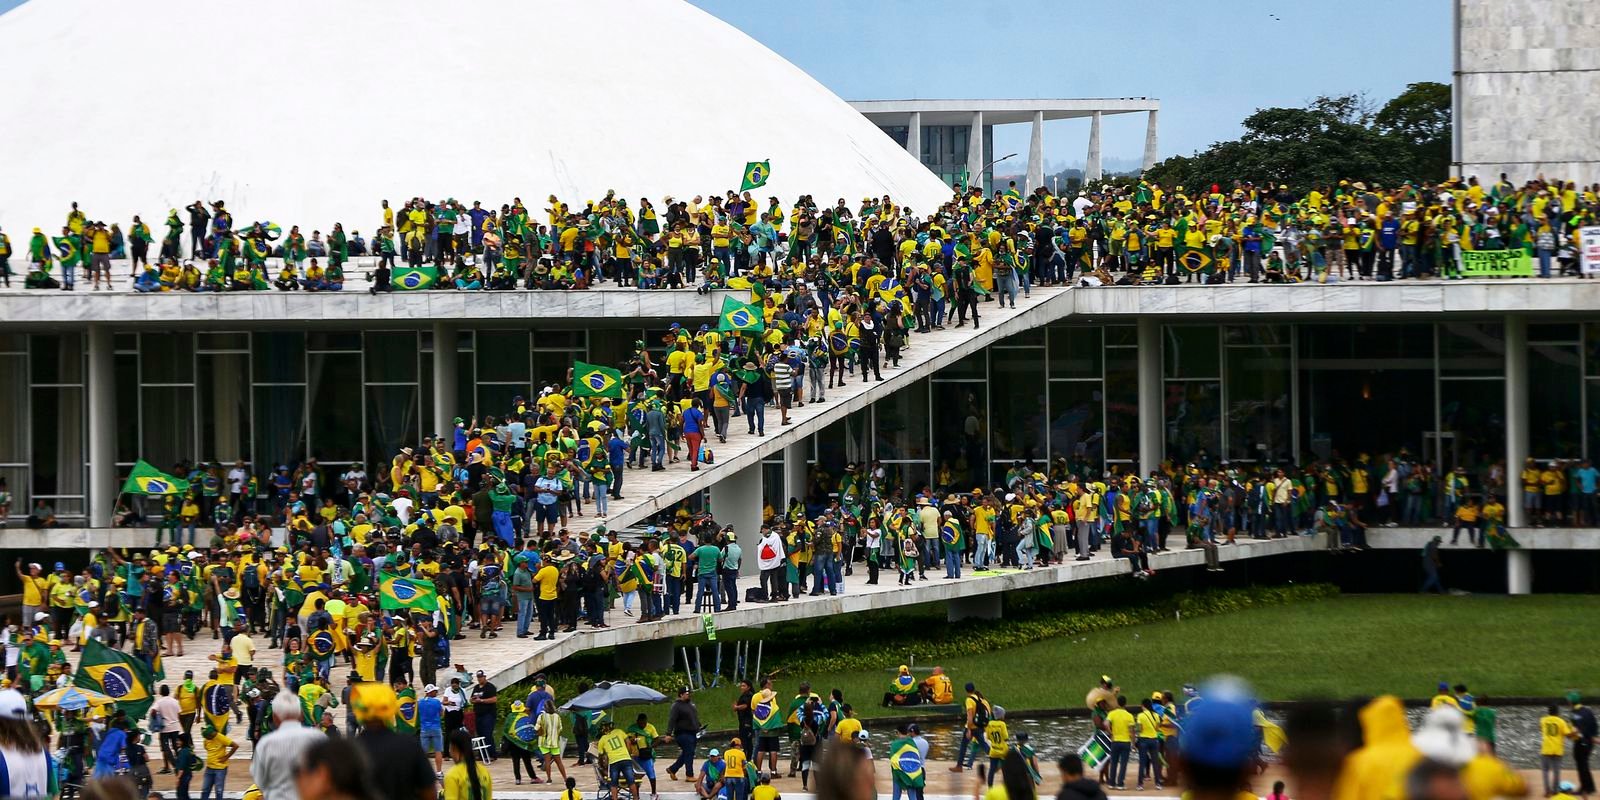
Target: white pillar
1516,415
1519,572
975,151
1150,156
914,135
444,381
794,470
1036,153
1151,429
1091,168
736,501
101,494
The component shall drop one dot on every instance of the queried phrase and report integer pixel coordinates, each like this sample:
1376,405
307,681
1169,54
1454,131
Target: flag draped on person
68,251
397,592
590,380
951,535
740,317
756,174
147,480
905,764
117,675
413,278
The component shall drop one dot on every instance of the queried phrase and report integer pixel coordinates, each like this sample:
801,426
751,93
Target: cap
714,752
429,689
1220,733
13,705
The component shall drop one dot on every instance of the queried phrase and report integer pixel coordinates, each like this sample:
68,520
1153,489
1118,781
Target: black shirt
745,718
483,690
397,769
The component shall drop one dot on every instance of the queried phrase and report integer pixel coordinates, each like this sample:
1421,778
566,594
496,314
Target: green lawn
1348,646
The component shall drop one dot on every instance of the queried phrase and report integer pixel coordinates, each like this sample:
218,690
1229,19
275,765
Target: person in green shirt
707,558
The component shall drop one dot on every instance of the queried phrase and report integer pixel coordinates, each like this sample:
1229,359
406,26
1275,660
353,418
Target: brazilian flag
905,764
412,594
1194,259
405,722
521,731
321,644
756,174
409,279
117,675
740,317
68,251
216,701
590,380
764,713
147,480
951,534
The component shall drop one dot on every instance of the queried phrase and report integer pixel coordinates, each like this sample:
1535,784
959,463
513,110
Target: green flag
68,251
413,278
756,174
147,480
117,675
589,380
396,592
737,316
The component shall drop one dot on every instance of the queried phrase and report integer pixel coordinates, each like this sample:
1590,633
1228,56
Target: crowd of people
1132,232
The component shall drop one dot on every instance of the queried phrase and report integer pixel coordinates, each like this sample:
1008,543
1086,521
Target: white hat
40,615
13,705
94,603
429,689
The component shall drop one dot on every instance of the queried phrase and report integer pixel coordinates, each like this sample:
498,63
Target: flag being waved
117,675
756,174
589,380
147,480
737,316
397,592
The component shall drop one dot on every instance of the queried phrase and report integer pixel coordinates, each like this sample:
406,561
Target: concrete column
736,501
794,470
1152,434
1036,153
101,493
1519,572
655,655
1091,168
914,135
1150,157
444,381
1516,415
975,151
982,606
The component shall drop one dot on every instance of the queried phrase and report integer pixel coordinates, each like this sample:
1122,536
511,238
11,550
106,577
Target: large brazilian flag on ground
396,592
740,317
117,675
147,480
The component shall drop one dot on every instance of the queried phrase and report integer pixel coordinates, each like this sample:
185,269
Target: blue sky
1210,64
1208,67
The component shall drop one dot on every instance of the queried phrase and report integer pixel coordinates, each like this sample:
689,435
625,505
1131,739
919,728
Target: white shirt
402,509
236,478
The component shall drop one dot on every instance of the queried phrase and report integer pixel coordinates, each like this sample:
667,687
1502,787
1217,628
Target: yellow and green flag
68,251
147,480
408,279
591,380
396,592
756,174
117,675
740,317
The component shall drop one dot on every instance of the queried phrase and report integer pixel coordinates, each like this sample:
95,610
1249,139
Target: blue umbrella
607,694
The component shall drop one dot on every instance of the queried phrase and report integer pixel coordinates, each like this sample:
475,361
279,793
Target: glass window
901,429
1256,334
334,340
1193,417
1190,351
125,342
975,367
1259,421
843,442
1122,406
1472,349
1555,405
224,341
1032,337
495,399
57,358
503,356
14,399
1077,432
392,421
550,366
1353,407
1019,411
1368,342
125,371
166,358
1562,332
560,339
913,475
1122,335
279,357
1475,411
335,406
13,343
167,429
960,416
224,388
280,426
391,356
1075,352
58,442
1591,349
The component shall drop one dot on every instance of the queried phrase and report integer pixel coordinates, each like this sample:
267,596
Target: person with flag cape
903,689
906,767
216,702
405,719
521,741
117,675
953,539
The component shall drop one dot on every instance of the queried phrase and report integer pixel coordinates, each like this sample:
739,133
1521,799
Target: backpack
980,714
251,578
1146,505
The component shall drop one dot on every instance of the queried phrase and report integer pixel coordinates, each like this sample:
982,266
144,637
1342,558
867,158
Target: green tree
1421,116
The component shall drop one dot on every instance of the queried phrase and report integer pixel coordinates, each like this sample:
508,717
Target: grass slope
1348,646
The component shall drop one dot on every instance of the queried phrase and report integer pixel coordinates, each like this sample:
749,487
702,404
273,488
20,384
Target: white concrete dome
310,112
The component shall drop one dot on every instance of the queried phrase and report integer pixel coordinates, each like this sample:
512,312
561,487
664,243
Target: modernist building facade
1112,376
